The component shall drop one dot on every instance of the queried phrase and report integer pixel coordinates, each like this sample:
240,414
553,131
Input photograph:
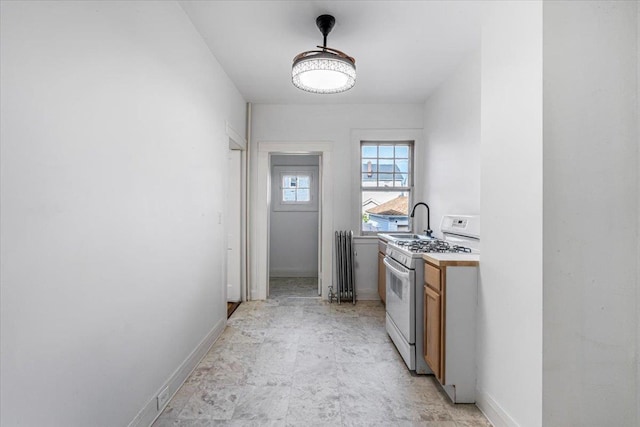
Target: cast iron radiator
345,268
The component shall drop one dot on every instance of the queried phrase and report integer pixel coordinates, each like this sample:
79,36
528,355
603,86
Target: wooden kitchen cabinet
432,330
450,299
382,271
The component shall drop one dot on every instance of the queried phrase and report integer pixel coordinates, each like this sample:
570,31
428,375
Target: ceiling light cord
325,24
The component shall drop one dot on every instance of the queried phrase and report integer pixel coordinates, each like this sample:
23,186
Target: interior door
234,213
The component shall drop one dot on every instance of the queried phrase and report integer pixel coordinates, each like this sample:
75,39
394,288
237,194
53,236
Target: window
295,188
386,182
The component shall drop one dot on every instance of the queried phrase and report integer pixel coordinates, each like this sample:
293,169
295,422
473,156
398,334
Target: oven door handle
395,271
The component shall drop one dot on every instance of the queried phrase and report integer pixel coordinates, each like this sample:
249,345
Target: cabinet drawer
432,277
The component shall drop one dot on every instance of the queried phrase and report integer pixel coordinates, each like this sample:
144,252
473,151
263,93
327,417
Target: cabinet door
432,277
382,278
432,327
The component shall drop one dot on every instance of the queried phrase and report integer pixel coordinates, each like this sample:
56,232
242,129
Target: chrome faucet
428,231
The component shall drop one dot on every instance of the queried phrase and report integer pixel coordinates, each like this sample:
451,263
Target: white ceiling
403,49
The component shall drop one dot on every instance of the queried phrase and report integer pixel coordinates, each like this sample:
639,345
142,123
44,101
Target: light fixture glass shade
323,72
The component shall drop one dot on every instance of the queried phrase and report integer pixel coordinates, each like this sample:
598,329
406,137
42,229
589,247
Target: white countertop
453,259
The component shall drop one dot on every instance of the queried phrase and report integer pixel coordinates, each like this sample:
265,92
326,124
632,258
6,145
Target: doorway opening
235,222
294,226
259,260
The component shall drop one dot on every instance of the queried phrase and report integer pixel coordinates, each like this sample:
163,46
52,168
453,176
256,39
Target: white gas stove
405,276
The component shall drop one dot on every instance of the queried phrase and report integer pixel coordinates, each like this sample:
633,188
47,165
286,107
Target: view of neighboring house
370,203
384,210
383,175
389,216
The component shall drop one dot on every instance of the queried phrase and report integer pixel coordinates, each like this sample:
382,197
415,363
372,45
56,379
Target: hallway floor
293,287
292,361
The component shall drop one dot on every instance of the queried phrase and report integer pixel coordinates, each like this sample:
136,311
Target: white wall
113,138
332,123
590,198
638,241
451,172
293,235
510,294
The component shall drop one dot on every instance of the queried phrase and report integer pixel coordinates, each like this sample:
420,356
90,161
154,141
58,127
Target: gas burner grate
431,246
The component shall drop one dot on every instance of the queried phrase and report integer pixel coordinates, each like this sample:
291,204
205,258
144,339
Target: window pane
289,195
370,166
402,166
304,181
369,151
402,151
385,211
303,195
289,181
400,180
369,180
386,151
401,173
385,175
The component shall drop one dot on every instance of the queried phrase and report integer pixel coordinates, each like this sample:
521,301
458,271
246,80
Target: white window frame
414,136
279,204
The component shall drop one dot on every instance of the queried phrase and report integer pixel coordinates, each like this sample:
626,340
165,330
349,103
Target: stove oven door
400,297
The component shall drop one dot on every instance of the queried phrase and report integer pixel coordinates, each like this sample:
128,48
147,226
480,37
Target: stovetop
409,252
430,246
461,239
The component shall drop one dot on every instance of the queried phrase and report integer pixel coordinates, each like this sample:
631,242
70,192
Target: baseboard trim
493,411
150,411
367,295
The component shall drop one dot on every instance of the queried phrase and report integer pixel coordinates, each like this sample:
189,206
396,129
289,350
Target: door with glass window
294,223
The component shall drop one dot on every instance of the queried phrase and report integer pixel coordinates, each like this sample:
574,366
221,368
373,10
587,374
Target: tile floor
292,287
292,361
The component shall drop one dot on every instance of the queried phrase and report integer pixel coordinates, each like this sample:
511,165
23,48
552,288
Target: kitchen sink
402,236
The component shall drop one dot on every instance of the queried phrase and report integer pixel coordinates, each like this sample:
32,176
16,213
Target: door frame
233,224
237,142
260,225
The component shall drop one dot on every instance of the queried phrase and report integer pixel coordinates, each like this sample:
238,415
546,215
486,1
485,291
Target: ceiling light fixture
327,70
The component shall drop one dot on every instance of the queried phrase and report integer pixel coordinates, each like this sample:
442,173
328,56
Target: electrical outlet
163,397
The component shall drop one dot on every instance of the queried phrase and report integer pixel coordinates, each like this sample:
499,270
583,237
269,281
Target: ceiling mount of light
327,70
